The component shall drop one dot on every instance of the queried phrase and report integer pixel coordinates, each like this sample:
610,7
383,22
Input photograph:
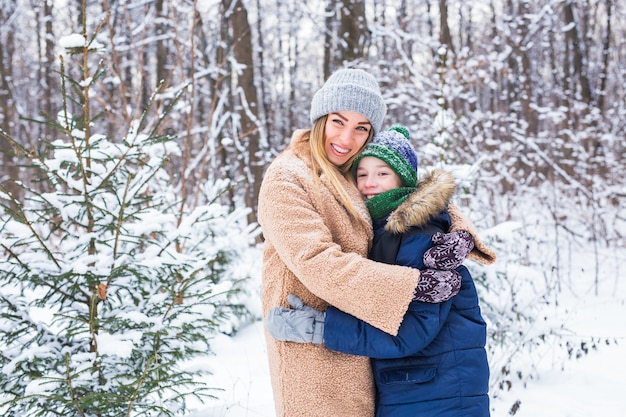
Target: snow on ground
592,385
240,368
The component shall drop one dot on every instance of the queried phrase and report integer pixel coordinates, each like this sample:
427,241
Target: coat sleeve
345,333
290,219
481,252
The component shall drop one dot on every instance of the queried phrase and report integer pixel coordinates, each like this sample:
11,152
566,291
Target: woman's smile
346,133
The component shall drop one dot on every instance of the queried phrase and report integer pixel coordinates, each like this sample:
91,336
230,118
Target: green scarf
384,203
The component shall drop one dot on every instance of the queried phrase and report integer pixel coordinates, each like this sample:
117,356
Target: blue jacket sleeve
347,334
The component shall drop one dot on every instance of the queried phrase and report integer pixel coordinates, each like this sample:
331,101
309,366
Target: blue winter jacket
437,364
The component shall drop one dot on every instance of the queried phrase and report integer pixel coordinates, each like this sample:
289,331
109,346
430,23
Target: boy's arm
481,252
422,322
345,333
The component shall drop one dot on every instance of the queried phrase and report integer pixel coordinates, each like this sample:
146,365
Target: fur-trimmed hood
433,193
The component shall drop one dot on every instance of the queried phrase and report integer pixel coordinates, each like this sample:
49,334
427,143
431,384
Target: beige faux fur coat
314,249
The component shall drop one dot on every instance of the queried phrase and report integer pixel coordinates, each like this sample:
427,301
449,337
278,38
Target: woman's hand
301,323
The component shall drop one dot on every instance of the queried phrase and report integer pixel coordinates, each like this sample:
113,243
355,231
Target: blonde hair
320,163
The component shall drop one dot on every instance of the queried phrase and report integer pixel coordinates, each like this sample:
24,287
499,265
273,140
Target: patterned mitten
449,250
436,286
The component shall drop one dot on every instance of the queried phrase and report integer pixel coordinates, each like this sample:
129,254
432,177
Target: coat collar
432,195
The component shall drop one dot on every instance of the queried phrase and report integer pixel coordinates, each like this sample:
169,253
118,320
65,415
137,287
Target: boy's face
374,176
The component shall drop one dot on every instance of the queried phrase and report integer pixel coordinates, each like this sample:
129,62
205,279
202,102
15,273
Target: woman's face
374,176
345,134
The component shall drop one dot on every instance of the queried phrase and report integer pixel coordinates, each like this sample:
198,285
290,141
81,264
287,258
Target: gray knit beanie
350,90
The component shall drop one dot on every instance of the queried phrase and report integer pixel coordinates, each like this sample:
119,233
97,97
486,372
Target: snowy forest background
134,136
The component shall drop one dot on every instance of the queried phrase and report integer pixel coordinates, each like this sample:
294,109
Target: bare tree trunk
222,79
8,170
49,78
328,39
580,61
467,27
162,71
248,101
444,29
346,34
431,25
353,32
244,102
379,18
605,56
265,105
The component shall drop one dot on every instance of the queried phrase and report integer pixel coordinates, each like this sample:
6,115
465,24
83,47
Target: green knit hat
394,148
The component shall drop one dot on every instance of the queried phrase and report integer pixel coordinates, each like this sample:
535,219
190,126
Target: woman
317,234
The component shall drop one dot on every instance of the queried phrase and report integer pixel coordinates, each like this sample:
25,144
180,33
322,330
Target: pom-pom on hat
350,90
394,148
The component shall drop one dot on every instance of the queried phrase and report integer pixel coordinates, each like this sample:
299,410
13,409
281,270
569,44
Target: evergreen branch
68,379
120,160
168,107
93,327
61,291
34,156
67,127
124,157
28,323
15,256
140,383
146,179
81,162
118,226
15,144
20,216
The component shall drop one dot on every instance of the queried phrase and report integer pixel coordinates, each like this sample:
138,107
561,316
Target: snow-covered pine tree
108,288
